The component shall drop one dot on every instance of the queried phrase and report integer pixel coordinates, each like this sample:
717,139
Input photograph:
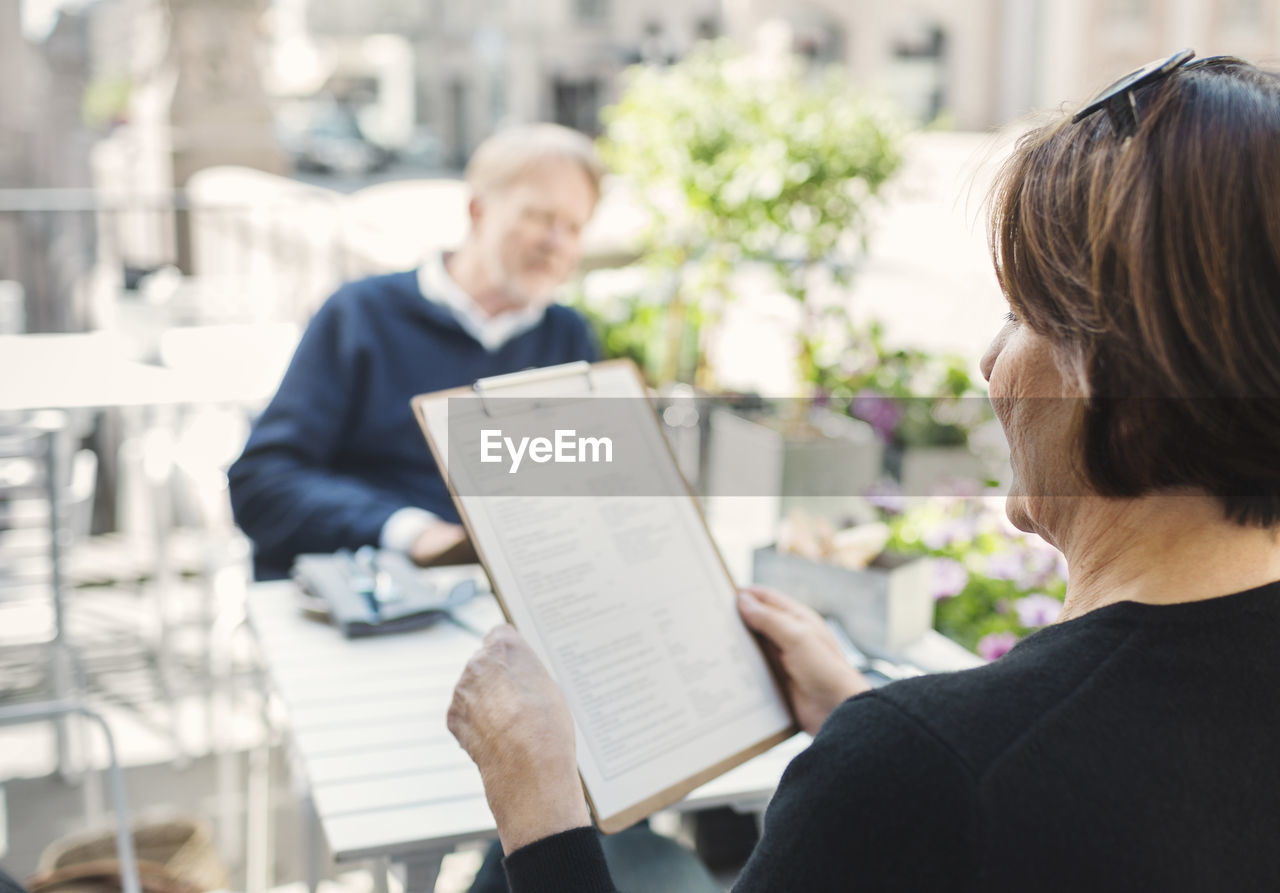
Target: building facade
981,63
479,65
975,64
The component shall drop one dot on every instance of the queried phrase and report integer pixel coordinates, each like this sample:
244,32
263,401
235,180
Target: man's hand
816,675
435,541
510,717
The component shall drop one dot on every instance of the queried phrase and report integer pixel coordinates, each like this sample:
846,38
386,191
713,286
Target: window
918,70
591,11
577,103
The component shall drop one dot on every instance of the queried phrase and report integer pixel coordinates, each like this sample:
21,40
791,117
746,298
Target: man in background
337,459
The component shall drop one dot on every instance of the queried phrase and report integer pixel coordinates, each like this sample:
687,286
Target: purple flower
996,645
881,412
887,496
1037,610
1044,563
956,530
1039,565
949,578
1005,566
1026,568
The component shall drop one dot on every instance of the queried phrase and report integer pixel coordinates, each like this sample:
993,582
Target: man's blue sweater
338,449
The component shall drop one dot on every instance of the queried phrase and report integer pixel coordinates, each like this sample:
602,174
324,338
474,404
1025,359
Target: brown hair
1152,264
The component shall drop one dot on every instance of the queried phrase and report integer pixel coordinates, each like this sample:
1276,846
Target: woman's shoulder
1092,675
981,712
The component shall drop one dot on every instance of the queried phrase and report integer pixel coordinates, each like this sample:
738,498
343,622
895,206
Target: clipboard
608,569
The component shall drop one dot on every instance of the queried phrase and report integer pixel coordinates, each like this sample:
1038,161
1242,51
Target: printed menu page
608,570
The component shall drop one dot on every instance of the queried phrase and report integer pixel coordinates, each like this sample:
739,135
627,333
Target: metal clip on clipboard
576,372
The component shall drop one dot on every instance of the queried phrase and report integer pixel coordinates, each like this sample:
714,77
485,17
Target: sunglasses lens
1134,80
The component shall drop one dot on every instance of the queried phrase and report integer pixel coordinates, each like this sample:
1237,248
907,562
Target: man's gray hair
505,155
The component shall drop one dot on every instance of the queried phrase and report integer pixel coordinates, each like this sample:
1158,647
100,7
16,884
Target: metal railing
75,250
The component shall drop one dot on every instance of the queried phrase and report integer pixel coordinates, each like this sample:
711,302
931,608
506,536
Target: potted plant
953,563
923,406
882,599
992,584
743,164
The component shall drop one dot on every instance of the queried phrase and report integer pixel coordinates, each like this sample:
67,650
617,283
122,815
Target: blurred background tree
739,160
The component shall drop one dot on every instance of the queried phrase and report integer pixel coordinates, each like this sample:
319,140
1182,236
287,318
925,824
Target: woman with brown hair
1135,744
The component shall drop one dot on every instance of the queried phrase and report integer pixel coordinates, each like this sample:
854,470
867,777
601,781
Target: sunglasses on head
1119,100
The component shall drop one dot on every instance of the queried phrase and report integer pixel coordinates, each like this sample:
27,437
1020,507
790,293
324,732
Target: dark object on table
370,592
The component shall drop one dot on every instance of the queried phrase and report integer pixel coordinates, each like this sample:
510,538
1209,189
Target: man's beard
516,294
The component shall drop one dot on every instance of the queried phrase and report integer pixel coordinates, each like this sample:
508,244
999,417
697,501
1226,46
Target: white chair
33,539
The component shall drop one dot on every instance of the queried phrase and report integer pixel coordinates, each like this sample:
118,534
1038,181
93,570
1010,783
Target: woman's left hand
509,716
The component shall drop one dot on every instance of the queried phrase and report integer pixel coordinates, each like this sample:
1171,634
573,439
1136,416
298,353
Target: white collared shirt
438,287
405,525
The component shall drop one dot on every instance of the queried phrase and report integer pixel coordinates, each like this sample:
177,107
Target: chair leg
312,843
420,874
61,669
260,845
378,868
259,830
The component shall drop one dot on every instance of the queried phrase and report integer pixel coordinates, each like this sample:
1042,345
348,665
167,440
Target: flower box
935,470
884,607
824,469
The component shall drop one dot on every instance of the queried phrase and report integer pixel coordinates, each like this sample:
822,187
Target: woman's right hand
815,672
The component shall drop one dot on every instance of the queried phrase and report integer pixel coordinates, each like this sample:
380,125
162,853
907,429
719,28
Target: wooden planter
884,608
931,471
824,471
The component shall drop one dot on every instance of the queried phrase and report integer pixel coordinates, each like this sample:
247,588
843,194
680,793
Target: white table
366,719
76,371
93,370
